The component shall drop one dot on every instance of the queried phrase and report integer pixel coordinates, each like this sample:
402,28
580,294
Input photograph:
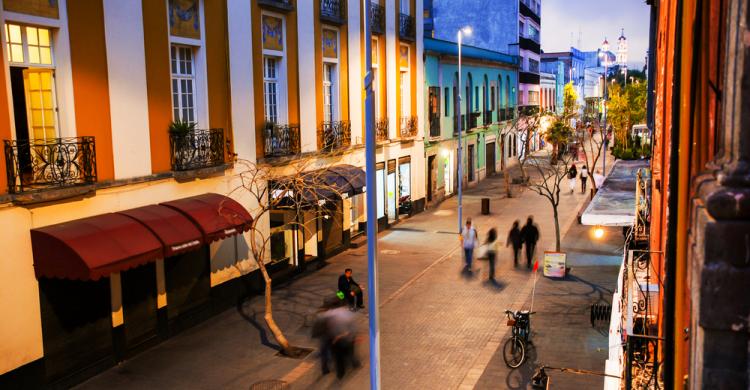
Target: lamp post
603,54
463,31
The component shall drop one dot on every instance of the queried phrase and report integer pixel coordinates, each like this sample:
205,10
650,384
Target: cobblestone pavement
439,329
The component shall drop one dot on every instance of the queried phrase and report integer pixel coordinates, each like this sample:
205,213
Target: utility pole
372,207
465,30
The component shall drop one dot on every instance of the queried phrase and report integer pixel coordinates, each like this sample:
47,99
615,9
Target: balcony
435,125
281,140
278,5
377,18
486,117
335,135
197,149
528,78
526,11
408,128
530,45
381,130
333,11
406,27
467,124
55,163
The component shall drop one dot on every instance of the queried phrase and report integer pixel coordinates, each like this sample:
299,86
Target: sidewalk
438,328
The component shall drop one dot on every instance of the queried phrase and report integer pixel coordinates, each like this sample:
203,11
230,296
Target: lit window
28,45
329,84
183,83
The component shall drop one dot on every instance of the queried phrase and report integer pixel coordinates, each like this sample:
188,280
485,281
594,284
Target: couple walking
528,235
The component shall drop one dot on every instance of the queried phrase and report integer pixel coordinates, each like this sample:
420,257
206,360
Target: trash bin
485,206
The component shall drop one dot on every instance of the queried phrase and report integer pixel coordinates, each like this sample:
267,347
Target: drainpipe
670,380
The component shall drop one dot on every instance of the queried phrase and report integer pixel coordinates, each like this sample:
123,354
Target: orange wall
257,77
292,55
88,59
158,75
4,123
217,64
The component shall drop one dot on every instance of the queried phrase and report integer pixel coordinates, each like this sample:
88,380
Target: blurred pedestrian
321,331
515,238
351,289
530,235
584,177
342,331
469,241
492,249
572,174
598,178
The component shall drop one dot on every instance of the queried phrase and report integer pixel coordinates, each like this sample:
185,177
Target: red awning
175,231
89,248
217,216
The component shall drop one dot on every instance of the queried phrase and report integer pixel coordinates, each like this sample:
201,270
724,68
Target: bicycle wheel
514,352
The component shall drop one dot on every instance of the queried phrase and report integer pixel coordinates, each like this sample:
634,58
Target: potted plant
179,127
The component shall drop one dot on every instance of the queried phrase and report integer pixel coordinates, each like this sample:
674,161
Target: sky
596,19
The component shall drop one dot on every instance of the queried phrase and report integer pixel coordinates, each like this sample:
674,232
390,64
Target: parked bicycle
514,351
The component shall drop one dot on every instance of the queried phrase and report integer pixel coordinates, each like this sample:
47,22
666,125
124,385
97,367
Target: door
188,285
332,225
391,191
490,158
448,174
470,162
139,305
431,177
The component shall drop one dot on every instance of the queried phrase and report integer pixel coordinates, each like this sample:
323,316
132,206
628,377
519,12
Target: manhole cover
272,384
389,252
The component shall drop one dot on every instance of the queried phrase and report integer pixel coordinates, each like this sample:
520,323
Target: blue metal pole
460,149
372,208
604,132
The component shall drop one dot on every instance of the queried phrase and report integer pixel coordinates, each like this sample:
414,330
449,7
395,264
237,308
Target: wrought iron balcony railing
335,135
381,130
406,27
197,149
408,128
377,18
279,5
333,11
434,125
281,140
486,117
48,164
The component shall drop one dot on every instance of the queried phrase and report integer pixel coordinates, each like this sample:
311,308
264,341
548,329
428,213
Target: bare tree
524,128
547,184
293,188
591,146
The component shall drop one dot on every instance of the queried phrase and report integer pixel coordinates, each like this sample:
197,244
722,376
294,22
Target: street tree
550,174
626,107
558,134
590,142
293,188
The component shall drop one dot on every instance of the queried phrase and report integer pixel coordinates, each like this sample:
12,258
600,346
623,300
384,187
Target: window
375,75
521,32
492,100
329,84
533,66
405,80
271,89
183,83
405,7
447,95
28,45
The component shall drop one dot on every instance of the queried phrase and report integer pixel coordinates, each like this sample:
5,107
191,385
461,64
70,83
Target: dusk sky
596,19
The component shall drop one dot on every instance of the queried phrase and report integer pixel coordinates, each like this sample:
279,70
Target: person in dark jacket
351,289
514,238
530,235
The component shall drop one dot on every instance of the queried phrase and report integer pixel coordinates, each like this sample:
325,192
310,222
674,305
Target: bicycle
514,350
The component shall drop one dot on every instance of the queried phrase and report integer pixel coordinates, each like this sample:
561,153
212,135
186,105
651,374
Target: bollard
485,206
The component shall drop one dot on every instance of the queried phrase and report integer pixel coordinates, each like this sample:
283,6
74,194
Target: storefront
404,185
113,284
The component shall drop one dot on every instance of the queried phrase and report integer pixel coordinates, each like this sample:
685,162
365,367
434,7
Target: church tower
622,49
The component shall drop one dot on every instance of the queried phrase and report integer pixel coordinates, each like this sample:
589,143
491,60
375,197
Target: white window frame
181,78
405,90
200,88
335,78
63,75
282,84
376,77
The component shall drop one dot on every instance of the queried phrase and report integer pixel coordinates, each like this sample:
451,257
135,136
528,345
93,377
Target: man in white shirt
598,178
469,241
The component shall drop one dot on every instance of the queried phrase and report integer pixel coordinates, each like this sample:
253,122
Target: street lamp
463,31
605,56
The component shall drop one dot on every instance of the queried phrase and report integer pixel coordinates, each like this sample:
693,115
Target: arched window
507,91
468,99
485,96
500,91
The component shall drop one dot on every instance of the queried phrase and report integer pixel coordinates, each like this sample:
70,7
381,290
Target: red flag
536,265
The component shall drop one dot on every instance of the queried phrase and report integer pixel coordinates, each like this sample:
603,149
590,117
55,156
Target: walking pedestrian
598,178
343,332
515,238
321,330
572,174
530,235
584,177
469,241
492,249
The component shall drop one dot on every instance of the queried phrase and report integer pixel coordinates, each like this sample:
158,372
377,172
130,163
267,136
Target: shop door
332,225
188,284
76,326
431,177
139,305
470,162
490,158
392,191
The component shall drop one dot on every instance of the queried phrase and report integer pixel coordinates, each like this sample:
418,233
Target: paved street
440,329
